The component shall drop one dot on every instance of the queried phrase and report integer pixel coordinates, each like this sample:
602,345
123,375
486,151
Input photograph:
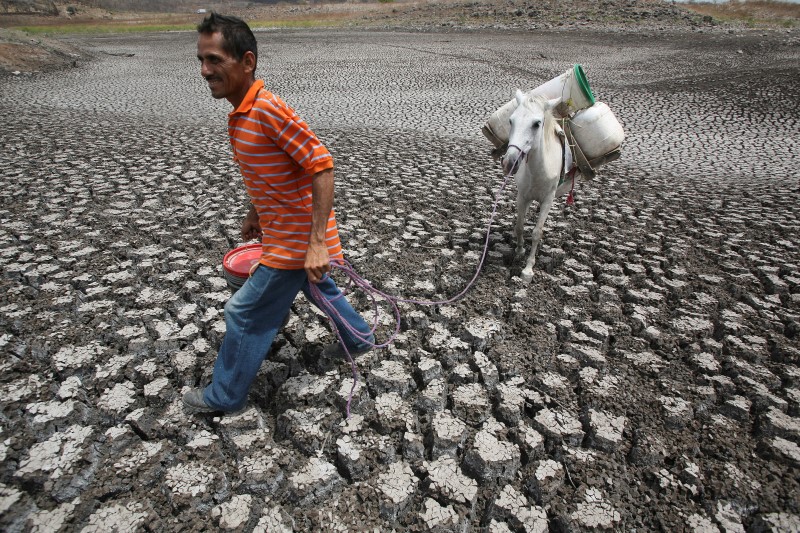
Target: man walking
288,174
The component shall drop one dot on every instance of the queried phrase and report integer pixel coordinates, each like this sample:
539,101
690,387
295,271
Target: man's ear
249,61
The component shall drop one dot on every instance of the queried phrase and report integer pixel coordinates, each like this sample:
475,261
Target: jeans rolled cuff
217,407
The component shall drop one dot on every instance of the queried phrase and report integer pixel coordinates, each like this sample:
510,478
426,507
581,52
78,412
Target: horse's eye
536,125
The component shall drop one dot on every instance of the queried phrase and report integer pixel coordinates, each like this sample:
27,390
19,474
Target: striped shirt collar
249,99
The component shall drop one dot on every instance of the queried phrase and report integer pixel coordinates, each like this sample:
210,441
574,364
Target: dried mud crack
647,379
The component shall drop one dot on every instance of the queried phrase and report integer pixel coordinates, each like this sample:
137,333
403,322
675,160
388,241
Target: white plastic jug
571,87
596,130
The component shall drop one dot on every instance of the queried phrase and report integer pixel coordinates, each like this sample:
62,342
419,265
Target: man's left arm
317,259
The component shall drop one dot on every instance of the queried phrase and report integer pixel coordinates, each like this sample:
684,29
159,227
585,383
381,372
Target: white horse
536,155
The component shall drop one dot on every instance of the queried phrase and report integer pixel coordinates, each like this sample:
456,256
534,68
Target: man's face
227,77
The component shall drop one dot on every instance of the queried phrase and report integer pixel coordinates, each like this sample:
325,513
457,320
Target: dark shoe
193,399
337,350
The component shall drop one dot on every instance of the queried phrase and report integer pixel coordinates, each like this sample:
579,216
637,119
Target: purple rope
355,280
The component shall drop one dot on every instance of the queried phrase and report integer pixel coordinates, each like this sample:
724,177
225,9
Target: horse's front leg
544,209
522,211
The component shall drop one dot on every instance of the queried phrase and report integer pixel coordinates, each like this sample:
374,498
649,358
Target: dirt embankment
29,7
23,53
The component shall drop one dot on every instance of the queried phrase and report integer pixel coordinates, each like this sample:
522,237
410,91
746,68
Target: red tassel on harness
571,195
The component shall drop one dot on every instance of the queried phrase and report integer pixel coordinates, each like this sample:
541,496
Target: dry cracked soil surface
648,379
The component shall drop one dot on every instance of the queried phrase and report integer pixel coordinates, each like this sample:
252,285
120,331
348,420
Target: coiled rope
355,280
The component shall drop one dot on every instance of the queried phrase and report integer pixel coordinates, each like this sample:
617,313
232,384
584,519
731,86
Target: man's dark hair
237,36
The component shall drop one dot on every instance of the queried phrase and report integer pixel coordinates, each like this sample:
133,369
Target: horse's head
529,121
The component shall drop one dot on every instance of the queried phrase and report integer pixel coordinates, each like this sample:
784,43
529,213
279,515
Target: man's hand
251,229
317,262
317,259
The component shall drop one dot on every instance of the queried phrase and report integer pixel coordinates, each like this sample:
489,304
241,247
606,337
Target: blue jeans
253,316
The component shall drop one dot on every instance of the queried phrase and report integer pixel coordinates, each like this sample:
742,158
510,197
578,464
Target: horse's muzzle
511,159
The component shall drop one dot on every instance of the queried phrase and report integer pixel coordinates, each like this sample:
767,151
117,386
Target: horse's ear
520,96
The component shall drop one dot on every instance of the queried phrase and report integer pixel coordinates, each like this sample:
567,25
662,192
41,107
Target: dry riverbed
648,379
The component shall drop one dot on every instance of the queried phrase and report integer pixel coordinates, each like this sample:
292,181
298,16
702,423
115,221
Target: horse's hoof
519,251
527,277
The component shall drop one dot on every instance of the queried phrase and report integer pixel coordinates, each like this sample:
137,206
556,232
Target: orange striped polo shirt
278,154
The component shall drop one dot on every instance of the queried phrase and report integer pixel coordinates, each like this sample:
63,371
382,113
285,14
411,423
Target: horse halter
521,157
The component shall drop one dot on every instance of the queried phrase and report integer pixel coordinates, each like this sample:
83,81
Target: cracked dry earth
647,379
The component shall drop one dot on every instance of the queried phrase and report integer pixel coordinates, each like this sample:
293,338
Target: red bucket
237,264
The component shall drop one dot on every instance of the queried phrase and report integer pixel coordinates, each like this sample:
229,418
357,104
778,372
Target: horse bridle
522,155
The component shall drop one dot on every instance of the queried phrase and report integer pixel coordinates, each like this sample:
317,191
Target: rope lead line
355,280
